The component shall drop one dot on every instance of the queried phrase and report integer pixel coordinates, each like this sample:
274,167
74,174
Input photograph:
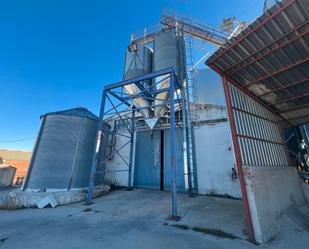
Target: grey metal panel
147,159
209,88
166,55
64,153
179,160
138,63
258,132
104,151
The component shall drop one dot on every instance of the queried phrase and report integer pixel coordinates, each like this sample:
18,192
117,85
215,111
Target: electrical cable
17,140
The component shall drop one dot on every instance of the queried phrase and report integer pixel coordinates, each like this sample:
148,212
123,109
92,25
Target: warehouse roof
270,60
78,111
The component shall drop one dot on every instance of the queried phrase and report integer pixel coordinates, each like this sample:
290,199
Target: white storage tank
63,152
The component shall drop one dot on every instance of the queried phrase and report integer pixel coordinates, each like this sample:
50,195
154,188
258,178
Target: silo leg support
131,152
95,149
174,215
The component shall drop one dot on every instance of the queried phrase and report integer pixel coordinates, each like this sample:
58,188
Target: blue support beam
174,85
99,134
131,150
140,78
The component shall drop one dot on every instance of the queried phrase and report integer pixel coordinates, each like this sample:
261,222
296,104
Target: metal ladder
192,92
187,99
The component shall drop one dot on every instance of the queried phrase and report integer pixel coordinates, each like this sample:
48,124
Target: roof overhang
270,60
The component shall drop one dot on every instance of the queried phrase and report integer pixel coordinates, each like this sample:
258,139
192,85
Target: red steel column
238,161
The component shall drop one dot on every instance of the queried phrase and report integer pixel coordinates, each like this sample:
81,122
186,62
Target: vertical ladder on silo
188,100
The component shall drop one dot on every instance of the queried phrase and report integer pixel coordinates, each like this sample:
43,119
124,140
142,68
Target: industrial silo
166,55
138,61
209,99
63,152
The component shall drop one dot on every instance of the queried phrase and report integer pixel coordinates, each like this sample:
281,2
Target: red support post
238,161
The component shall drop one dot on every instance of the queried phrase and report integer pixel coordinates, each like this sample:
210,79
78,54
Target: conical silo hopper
166,55
137,63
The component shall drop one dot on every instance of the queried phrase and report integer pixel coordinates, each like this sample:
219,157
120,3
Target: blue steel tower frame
110,93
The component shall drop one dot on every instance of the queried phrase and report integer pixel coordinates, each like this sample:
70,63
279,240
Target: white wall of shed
215,160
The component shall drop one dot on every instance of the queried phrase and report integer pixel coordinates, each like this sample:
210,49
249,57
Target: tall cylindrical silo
209,99
137,63
208,88
63,153
166,55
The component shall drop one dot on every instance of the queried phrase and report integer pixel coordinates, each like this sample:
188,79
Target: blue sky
58,54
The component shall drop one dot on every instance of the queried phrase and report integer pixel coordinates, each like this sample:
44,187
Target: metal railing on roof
191,26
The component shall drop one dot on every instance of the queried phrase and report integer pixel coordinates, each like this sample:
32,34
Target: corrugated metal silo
63,153
166,55
208,87
137,63
209,96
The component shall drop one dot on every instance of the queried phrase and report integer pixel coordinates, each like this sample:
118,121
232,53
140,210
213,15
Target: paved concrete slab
134,220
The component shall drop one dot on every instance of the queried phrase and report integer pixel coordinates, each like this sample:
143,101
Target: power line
17,140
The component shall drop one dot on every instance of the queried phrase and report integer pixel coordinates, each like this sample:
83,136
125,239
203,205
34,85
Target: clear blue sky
58,54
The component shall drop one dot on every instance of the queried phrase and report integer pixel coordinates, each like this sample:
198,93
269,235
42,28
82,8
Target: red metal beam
300,117
259,51
277,72
294,108
254,115
223,50
284,87
268,52
291,99
259,139
238,161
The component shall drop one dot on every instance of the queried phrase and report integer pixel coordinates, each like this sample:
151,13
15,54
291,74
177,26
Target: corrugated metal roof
79,112
270,59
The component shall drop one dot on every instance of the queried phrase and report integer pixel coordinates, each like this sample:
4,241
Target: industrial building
232,124
185,142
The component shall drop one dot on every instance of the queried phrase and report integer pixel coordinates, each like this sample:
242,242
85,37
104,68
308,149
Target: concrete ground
138,219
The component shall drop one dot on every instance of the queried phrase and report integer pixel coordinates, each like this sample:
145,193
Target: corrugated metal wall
147,159
64,153
208,88
179,160
257,131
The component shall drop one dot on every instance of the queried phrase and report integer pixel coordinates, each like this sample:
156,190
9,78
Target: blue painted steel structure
123,109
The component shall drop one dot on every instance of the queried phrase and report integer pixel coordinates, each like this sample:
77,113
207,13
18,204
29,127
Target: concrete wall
6,175
271,192
215,160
